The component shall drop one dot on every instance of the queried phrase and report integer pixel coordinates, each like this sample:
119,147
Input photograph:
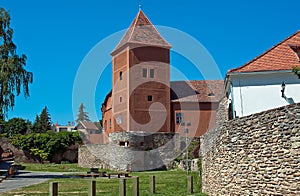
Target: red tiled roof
279,57
197,91
142,31
89,125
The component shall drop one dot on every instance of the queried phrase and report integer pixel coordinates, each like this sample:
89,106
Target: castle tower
141,80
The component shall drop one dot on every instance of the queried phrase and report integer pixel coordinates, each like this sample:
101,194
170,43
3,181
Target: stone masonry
254,155
132,151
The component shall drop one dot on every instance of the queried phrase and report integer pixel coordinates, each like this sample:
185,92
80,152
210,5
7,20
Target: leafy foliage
45,145
13,76
82,115
296,70
17,126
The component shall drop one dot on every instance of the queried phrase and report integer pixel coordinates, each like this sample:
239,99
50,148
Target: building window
124,143
144,72
151,73
119,119
120,99
149,97
105,125
179,118
121,75
110,124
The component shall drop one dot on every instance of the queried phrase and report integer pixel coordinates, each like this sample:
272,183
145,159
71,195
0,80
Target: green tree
13,76
42,122
36,127
16,126
296,70
2,126
82,115
45,121
45,145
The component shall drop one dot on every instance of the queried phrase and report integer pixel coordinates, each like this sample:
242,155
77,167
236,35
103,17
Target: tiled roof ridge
264,53
134,24
129,38
151,24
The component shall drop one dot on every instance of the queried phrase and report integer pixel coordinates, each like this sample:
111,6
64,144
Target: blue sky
57,35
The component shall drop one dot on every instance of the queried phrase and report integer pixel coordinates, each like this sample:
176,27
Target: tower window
121,75
151,73
149,97
121,99
179,118
144,73
110,124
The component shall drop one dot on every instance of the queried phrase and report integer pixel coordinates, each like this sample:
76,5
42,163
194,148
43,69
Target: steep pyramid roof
280,57
142,31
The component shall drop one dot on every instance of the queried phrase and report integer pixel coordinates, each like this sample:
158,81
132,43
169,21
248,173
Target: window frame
179,117
144,72
152,73
150,98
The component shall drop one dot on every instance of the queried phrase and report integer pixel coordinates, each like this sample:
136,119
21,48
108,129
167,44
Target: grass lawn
167,183
51,167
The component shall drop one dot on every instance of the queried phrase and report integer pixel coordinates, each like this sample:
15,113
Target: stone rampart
254,155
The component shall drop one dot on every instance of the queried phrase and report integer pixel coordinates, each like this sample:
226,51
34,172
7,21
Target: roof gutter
257,72
229,74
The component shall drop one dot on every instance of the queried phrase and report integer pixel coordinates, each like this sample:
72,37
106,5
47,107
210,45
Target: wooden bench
125,174
89,175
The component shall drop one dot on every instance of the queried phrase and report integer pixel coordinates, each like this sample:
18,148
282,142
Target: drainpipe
232,100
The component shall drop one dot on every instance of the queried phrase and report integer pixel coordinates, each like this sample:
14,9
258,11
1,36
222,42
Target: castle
143,99
145,115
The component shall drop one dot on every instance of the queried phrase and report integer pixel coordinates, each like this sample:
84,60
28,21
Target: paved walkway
27,178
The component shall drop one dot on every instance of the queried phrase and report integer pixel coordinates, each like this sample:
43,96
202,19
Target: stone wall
254,155
142,151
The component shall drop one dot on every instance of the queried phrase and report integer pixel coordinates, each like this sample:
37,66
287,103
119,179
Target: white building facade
251,93
266,82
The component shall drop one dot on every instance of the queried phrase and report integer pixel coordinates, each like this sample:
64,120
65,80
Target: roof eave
132,45
258,72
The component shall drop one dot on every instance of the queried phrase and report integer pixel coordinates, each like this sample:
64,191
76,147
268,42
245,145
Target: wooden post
152,184
53,189
92,188
136,187
122,187
190,184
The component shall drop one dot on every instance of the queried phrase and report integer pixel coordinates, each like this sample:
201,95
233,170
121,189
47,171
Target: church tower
141,80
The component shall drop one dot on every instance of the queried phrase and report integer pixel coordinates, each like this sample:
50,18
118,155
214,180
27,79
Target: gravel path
27,178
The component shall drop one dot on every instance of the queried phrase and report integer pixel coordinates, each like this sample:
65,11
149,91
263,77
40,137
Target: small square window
149,97
151,73
144,72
